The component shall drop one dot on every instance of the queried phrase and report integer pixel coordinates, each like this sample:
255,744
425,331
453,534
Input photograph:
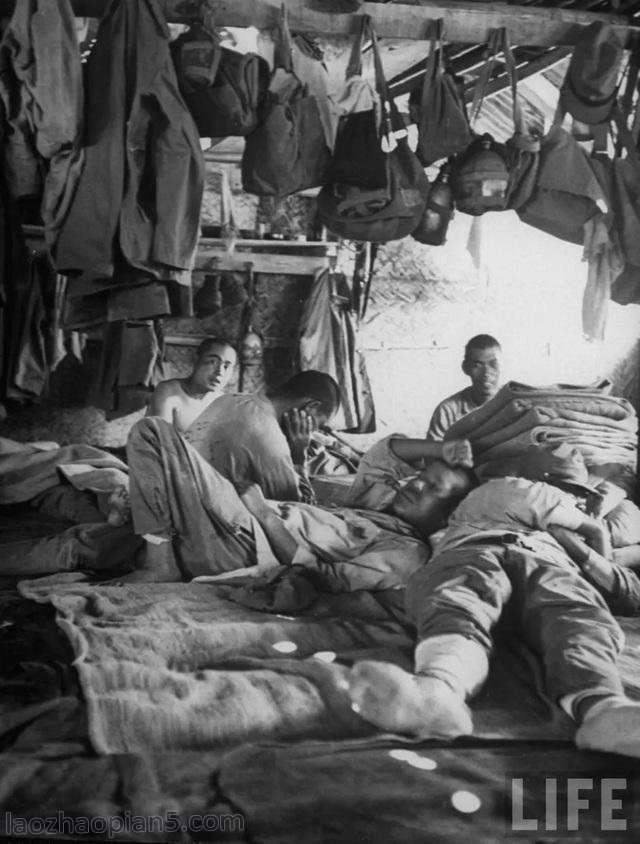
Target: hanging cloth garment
130,366
329,343
42,90
606,262
8,231
141,188
28,359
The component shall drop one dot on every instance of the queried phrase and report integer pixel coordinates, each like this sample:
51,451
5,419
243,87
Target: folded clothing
593,400
602,426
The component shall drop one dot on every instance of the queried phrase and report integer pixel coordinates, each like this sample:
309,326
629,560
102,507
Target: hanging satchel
438,108
385,213
221,88
567,192
357,157
288,151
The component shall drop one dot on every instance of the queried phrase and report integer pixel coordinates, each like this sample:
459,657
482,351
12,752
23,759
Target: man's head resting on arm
482,364
312,392
427,500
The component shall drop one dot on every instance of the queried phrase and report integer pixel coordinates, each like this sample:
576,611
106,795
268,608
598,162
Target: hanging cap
588,92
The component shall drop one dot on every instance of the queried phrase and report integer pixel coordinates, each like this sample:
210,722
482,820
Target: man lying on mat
526,542
196,523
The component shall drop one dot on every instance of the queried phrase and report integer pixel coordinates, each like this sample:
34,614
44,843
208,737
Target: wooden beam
526,68
464,22
531,69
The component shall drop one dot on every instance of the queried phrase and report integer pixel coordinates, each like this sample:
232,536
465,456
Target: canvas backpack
221,88
490,176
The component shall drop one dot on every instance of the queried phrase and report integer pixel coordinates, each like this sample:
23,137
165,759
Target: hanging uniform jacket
141,188
41,88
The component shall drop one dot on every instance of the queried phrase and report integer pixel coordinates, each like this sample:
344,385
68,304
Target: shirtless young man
181,400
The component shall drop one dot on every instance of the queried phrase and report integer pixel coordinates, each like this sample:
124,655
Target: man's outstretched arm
453,452
282,543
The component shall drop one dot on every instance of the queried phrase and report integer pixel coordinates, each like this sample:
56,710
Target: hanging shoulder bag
437,107
567,191
357,157
393,210
288,151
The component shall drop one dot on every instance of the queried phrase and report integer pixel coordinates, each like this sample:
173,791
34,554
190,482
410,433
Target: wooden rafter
464,22
531,68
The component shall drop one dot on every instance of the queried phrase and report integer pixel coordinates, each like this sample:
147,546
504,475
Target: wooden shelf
265,256
266,245
194,340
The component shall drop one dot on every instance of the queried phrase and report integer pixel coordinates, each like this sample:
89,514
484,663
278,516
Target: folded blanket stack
602,426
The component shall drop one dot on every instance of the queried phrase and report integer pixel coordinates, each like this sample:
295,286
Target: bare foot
612,730
416,704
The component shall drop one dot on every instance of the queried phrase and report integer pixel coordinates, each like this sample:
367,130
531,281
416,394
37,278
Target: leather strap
394,124
624,134
282,56
484,76
434,60
354,67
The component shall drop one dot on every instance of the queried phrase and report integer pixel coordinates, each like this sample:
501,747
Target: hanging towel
329,343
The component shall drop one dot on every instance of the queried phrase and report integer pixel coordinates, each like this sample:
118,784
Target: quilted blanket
169,667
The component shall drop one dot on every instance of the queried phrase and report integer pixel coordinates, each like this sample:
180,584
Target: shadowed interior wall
525,287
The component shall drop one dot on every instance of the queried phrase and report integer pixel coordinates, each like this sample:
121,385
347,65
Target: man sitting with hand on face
265,439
